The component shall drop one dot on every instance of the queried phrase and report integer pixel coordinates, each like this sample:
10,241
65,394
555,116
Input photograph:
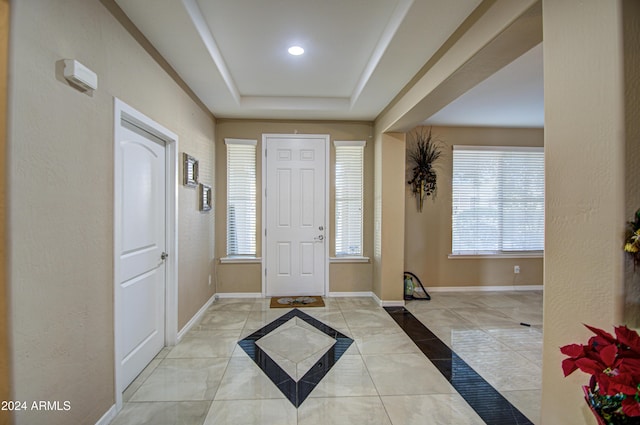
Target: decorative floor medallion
296,351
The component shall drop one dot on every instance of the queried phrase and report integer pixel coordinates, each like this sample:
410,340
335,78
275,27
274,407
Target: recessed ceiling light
296,50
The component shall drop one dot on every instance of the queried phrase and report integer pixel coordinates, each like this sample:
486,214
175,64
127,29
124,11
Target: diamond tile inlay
296,351
296,346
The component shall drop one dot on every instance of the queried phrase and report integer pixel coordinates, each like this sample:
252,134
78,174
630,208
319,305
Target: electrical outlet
516,269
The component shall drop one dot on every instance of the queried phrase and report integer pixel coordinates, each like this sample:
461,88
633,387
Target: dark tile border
295,391
488,403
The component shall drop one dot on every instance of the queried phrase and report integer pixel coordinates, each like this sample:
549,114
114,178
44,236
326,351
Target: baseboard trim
195,319
383,303
239,295
108,416
485,288
350,294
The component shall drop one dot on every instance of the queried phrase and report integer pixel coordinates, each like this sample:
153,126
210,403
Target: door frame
124,111
327,192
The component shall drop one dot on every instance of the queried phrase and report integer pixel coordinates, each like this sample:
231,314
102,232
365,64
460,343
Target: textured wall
390,262
61,200
428,234
585,189
4,327
246,277
631,22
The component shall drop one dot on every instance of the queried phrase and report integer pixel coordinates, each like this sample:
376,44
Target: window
498,200
349,188
241,197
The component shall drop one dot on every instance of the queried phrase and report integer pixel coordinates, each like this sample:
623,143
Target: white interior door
142,259
295,239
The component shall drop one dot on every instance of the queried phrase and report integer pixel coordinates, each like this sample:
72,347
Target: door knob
319,238
164,256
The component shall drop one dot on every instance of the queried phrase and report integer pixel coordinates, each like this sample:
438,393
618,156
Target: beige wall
390,222
61,200
631,22
585,189
428,234
5,416
233,278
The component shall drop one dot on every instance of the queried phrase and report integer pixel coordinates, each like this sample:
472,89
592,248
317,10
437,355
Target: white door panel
295,215
142,268
143,314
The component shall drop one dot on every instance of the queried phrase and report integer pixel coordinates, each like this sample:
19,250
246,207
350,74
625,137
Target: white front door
142,259
295,238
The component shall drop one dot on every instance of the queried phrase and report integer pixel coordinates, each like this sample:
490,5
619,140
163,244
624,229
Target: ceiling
358,55
512,97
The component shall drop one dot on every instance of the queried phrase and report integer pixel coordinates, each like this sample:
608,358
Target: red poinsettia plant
614,365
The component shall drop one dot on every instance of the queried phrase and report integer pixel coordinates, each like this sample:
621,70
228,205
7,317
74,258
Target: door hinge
265,271
265,233
265,153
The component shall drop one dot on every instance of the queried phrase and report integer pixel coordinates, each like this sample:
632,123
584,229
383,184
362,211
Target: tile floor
382,378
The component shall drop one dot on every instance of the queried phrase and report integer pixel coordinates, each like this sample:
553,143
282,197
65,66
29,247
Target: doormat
288,302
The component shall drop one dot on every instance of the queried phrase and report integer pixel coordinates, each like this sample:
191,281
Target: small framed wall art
206,197
190,170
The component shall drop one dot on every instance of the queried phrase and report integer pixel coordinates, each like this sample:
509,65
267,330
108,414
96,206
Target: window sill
495,256
349,259
240,260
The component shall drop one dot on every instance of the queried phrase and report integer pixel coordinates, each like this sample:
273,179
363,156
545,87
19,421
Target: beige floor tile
163,413
233,304
406,374
137,383
485,316
383,341
534,356
505,370
519,338
436,409
348,377
260,318
447,300
333,318
203,344
251,412
222,319
243,380
442,317
167,413
182,380
474,340
343,411
372,319
527,402
383,378
350,303
532,316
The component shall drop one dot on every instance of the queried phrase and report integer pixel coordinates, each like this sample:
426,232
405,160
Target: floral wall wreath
632,241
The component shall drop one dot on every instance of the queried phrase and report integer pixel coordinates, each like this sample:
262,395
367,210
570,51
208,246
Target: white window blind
498,200
241,197
349,189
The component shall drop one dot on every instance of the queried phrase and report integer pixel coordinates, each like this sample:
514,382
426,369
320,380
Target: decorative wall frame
190,170
206,197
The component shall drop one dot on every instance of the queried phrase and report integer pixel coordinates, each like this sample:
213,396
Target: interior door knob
164,256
